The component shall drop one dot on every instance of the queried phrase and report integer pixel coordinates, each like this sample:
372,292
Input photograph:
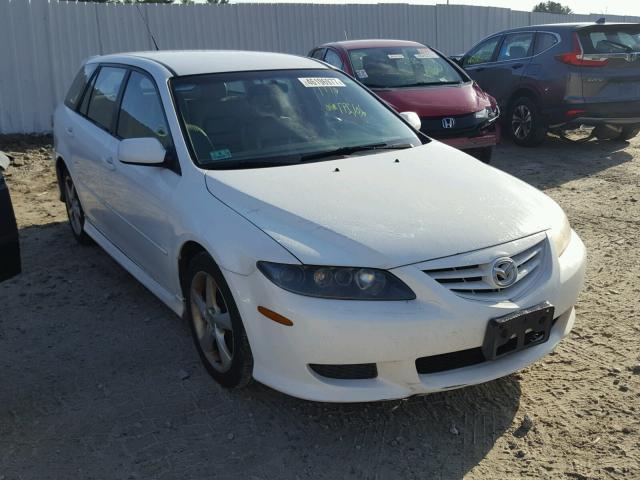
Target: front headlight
340,283
561,235
488,113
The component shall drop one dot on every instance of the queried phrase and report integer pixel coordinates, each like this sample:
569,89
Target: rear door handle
69,131
108,161
517,66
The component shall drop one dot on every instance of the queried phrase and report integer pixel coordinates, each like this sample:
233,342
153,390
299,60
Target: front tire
74,210
526,124
216,326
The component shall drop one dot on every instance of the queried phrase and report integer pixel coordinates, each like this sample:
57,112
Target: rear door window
544,41
515,46
483,53
104,96
79,83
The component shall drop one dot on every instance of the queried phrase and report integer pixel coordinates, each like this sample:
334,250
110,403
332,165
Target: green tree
552,7
217,2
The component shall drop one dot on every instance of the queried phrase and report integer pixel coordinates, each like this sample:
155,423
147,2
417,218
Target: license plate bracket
518,330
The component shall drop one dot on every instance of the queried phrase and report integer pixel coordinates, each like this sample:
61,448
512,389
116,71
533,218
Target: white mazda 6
314,239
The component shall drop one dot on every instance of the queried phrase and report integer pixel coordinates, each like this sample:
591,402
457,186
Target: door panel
139,197
511,62
93,143
478,61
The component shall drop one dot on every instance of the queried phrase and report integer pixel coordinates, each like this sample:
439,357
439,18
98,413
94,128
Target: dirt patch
99,380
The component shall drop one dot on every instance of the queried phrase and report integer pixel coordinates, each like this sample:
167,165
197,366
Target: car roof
195,62
563,26
372,43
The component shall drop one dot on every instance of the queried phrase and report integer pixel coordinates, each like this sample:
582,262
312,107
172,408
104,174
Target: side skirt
174,302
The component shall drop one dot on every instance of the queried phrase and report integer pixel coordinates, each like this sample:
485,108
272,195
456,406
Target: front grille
465,126
358,371
475,281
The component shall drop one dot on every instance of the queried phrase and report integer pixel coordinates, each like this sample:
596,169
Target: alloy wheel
521,122
212,321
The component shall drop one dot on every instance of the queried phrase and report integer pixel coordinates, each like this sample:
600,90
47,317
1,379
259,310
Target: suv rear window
610,39
78,85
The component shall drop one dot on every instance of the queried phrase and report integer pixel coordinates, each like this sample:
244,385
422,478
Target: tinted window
78,85
280,116
516,45
141,112
332,58
544,41
483,53
104,96
318,53
84,106
402,67
611,39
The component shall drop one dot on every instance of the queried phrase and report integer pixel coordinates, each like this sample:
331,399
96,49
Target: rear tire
629,132
483,154
216,326
74,209
525,123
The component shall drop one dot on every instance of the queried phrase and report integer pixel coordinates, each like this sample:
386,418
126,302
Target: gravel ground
100,380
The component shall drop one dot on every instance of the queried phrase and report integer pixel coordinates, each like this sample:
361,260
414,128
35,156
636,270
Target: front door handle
108,161
517,66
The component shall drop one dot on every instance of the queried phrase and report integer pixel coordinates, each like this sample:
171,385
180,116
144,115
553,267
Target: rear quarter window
78,85
544,41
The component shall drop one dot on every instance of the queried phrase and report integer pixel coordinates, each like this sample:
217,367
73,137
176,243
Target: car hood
438,100
374,211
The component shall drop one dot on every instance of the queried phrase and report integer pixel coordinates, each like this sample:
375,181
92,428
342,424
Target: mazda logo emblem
504,272
448,122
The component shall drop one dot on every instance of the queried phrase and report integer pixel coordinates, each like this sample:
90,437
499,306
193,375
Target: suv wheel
74,209
628,132
526,125
216,325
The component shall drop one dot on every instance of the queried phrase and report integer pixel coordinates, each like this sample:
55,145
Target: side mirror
412,119
459,59
141,151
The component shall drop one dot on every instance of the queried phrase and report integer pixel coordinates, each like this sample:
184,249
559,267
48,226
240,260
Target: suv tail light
578,58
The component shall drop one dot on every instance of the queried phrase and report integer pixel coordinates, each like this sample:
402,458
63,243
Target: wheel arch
188,251
522,92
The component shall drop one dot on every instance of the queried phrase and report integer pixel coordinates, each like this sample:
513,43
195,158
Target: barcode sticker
321,82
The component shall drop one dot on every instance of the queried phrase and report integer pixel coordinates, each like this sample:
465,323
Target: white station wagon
314,239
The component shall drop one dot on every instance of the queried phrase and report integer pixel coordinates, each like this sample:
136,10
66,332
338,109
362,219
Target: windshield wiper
626,48
354,149
423,84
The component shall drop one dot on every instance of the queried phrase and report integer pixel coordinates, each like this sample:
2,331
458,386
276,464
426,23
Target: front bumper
393,335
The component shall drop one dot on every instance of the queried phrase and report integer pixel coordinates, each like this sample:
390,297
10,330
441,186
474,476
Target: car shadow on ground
558,161
99,377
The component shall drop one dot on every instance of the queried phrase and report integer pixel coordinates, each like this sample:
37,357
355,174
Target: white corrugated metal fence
42,43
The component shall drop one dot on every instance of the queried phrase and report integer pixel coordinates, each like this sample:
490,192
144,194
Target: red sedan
412,77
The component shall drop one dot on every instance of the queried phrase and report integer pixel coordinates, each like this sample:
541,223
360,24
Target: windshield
610,39
282,117
393,67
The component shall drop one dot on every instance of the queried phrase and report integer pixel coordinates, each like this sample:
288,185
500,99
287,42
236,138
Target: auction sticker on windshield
321,82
